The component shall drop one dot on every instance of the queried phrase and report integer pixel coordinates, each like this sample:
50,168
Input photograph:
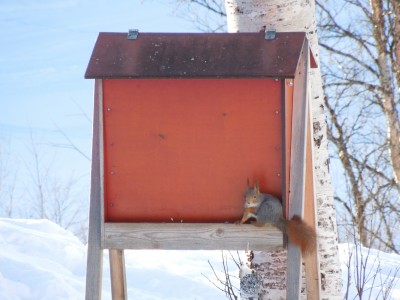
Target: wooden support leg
95,252
294,254
312,277
94,266
293,275
311,261
94,271
298,170
117,270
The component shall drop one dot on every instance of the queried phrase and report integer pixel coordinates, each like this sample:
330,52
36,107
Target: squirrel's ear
256,186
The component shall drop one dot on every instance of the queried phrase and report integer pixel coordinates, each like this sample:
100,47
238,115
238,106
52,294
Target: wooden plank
311,261
191,236
101,158
297,169
95,252
117,273
287,136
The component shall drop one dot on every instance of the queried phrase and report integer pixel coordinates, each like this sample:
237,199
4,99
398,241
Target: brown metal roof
195,55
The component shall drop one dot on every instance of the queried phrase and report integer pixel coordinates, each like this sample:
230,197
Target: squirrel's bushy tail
301,234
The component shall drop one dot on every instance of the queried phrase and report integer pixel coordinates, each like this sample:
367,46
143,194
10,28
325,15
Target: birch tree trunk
295,15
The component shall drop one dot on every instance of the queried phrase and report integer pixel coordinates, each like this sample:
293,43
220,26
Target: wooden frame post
95,250
302,184
311,261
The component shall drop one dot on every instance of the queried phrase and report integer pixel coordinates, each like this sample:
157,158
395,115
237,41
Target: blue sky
44,51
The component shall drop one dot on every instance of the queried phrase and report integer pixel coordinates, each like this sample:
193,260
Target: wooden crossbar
191,236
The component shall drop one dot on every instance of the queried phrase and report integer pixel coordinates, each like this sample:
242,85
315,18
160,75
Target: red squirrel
267,209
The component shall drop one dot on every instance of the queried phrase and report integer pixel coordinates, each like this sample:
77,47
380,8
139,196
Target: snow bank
376,271
40,260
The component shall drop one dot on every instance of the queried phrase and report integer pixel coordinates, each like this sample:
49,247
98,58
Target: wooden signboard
181,121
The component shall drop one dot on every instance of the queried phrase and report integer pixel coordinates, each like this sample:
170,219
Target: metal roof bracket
270,34
133,34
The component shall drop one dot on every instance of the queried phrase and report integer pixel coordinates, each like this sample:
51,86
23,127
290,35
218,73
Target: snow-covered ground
40,260
377,272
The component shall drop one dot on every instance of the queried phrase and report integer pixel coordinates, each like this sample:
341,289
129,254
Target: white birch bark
297,15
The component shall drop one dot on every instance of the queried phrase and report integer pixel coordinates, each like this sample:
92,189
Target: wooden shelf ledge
190,236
